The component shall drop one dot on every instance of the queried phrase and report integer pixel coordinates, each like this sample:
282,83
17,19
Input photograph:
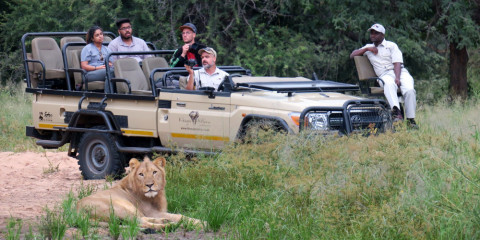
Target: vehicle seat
107,39
73,56
46,50
182,82
151,63
368,78
128,68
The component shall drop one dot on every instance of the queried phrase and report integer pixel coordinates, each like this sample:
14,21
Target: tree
458,21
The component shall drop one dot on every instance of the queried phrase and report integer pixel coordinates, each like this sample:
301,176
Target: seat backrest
107,39
364,68
73,55
128,68
151,63
46,50
66,40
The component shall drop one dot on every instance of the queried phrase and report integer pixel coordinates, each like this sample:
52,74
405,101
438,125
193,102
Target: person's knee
410,93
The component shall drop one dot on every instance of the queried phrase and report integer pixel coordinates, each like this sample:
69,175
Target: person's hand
397,81
185,49
101,67
189,69
374,50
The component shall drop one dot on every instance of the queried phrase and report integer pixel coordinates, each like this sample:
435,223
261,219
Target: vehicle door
194,119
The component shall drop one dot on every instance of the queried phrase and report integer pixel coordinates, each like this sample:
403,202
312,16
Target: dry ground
28,184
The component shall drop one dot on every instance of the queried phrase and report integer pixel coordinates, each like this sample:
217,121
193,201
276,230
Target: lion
140,194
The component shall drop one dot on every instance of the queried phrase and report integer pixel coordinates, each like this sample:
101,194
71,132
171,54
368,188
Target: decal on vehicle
45,116
194,116
137,132
46,125
196,136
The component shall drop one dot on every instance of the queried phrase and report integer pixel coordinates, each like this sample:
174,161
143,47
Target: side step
161,149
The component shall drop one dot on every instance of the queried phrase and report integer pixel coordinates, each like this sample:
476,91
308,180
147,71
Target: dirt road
30,181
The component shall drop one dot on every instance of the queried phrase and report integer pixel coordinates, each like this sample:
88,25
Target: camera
191,62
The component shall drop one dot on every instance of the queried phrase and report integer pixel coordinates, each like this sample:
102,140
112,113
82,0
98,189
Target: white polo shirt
388,53
203,79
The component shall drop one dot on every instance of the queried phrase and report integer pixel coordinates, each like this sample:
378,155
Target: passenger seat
46,50
129,69
149,64
73,56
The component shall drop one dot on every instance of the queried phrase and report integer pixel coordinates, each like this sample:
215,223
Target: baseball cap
377,27
190,26
208,50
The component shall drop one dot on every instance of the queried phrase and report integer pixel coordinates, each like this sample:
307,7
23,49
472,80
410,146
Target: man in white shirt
207,76
126,42
387,61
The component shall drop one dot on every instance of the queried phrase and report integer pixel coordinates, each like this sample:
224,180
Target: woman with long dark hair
93,57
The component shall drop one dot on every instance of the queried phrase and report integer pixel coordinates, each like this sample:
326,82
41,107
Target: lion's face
148,177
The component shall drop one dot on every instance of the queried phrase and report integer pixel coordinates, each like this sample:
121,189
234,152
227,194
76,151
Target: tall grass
15,114
408,184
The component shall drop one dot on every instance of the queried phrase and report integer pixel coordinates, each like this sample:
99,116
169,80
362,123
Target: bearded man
126,42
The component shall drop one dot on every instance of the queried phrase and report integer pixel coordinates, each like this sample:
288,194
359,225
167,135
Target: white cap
377,27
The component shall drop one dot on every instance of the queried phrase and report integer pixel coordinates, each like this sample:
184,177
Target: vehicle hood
296,102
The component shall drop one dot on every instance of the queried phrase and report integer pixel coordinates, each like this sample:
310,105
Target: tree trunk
458,71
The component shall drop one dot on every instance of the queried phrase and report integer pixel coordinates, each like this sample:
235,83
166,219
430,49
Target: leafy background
275,37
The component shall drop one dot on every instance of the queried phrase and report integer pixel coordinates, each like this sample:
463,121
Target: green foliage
114,223
283,38
130,228
14,228
15,114
53,224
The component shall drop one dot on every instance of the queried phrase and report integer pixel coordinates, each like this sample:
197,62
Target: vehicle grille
361,119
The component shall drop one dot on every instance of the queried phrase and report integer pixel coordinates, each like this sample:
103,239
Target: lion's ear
134,163
160,162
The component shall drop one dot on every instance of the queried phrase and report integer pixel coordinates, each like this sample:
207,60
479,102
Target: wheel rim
97,156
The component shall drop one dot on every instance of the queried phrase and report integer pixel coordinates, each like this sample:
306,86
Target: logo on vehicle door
45,116
194,116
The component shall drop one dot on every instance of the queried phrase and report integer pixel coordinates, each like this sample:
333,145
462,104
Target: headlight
317,121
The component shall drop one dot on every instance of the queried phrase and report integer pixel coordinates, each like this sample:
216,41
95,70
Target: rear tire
99,156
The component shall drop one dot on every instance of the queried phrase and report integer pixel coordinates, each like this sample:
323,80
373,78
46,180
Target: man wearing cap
207,76
189,50
387,61
126,42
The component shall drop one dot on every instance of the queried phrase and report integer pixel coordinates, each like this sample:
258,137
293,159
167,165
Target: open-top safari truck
149,111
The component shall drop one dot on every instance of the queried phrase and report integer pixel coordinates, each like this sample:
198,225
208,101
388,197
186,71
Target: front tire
99,156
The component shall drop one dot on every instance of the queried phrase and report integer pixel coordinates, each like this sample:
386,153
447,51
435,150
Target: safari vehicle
149,111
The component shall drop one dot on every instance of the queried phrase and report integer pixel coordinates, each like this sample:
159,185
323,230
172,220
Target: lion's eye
141,174
154,172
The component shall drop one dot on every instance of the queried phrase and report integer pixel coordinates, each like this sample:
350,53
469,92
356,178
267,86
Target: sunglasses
101,56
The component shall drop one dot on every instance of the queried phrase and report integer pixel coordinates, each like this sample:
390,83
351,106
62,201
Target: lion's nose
149,185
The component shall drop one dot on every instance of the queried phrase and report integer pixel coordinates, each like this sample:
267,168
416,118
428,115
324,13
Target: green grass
407,184
15,114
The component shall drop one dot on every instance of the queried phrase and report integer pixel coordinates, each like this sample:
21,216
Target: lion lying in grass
141,193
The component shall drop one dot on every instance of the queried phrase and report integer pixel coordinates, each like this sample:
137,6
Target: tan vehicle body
174,126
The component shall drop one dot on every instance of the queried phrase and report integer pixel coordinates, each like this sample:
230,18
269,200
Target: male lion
141,193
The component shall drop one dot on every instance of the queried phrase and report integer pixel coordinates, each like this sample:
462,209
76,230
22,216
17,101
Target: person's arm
397,69
177,60
88,68
361,51
191,80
